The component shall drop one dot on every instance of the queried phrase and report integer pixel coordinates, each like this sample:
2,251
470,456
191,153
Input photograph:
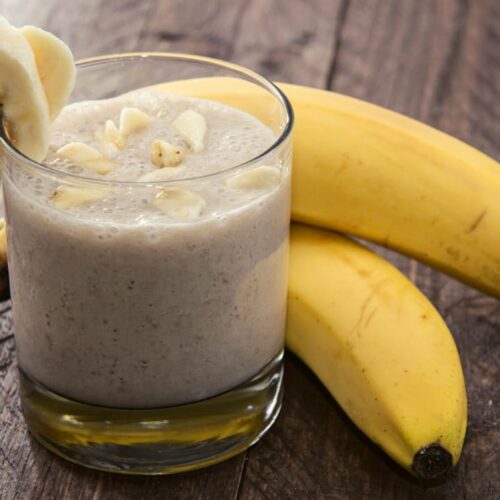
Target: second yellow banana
365,170
380,348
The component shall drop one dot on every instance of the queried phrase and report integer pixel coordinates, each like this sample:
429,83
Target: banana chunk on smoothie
86,156
69,196
110,138
257,178
179,203
133,120
160,175
193,128
164,154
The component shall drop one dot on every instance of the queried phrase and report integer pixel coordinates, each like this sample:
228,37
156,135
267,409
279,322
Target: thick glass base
155,441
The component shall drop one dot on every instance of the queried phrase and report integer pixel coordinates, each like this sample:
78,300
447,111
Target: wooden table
435,60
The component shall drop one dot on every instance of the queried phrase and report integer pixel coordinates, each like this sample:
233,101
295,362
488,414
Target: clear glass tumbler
152,347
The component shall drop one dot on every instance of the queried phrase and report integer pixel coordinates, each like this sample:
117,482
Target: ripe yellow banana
365,170
380,348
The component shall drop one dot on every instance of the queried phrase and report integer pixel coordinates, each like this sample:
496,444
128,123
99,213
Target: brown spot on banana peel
431,462
364,307
454,253
365,273
476,222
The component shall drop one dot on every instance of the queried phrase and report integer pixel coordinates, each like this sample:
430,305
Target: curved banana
362,169
380,348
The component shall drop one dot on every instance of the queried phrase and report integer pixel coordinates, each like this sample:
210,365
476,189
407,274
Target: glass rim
267,84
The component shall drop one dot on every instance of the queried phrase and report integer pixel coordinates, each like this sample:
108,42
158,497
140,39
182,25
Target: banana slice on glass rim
37,74
24,107
55,64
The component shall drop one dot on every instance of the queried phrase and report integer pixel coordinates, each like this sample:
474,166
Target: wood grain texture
89,27
435,60
204,28
289,41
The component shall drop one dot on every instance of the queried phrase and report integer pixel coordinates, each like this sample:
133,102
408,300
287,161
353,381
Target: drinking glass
152,348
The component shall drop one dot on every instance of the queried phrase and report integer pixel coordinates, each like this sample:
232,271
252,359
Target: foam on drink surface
232,138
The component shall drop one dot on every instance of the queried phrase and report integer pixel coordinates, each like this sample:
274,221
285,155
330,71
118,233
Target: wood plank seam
342,17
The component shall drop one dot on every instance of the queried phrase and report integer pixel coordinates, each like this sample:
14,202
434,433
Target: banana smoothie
161,256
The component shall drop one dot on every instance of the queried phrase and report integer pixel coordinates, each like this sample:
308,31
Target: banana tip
431,462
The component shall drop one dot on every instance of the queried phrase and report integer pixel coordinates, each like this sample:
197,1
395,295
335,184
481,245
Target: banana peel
380,348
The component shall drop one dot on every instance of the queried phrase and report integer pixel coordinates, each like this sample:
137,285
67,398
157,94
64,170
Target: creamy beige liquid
119,304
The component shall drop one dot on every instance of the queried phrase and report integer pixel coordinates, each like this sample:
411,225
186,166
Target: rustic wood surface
435,60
